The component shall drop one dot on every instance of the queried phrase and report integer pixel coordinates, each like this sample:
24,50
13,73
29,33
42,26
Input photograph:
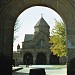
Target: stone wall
18,56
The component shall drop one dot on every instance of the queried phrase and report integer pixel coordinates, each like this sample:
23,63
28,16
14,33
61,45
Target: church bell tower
43,26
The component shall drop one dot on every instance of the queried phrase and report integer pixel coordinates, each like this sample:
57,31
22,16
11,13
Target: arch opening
41,59
54,60
27,17
28,59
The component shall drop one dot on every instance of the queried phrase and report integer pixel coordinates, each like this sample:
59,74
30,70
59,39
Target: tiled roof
28,37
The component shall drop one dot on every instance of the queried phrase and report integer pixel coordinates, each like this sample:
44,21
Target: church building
36,47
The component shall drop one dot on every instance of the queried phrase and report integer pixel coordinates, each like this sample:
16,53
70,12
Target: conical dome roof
42,22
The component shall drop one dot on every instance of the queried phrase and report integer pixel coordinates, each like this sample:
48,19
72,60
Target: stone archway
11,9
28,59
41,59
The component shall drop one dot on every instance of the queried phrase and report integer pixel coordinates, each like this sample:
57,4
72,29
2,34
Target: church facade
36,47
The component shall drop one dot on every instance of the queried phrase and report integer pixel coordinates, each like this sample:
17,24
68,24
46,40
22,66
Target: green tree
58,40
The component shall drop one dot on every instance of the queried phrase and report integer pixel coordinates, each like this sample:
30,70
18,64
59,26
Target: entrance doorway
54,60
41,59
28,59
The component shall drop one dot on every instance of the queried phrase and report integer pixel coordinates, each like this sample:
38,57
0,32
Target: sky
28,19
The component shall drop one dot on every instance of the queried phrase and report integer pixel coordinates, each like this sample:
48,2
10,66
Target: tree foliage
58,40
16,28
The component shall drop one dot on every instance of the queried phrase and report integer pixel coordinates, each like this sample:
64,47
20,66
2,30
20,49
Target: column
34,59
48,57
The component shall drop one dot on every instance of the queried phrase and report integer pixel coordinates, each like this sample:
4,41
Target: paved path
50,70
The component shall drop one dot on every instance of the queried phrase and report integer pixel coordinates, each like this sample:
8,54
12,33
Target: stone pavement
50,70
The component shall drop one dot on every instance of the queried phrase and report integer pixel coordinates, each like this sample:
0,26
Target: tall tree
16,28
58,40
